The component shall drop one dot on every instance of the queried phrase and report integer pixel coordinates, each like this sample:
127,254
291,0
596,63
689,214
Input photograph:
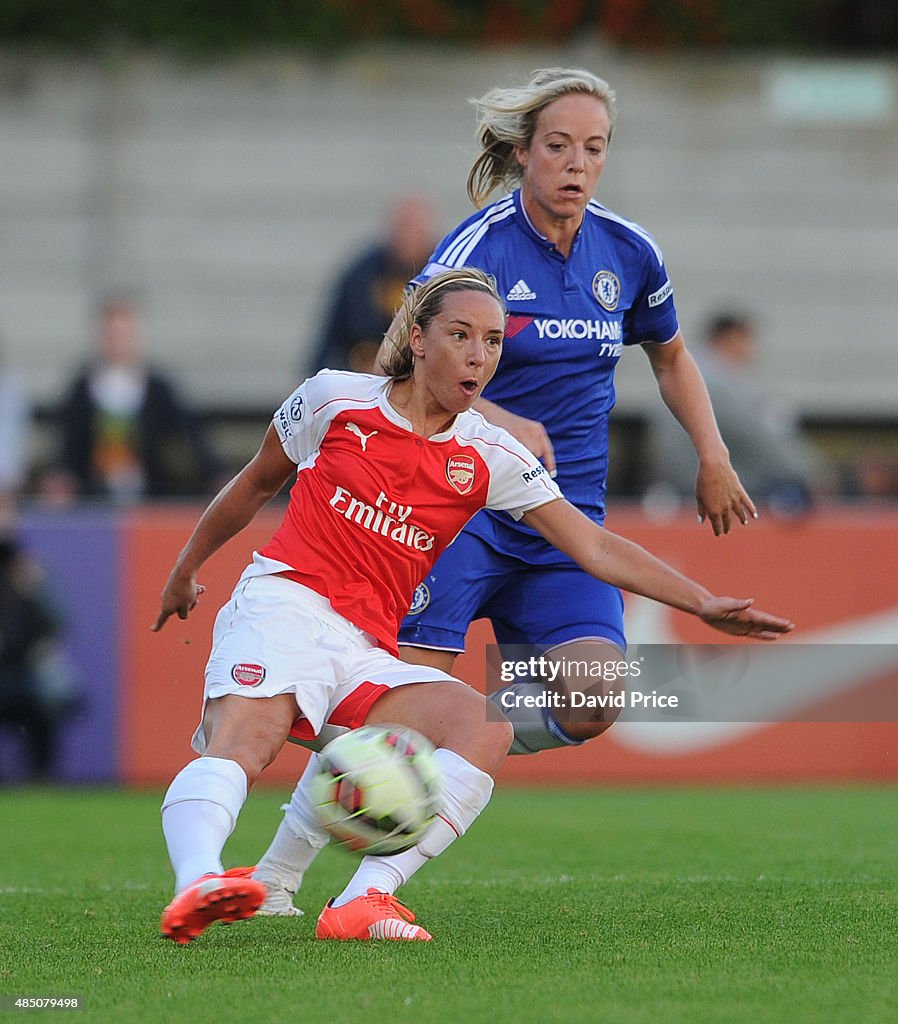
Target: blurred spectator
124,434
774,462
871,475
38,688
15,429
370,289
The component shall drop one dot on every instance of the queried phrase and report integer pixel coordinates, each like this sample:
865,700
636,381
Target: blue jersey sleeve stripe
428,272
449,254
461,235
465,241
463,255
600,211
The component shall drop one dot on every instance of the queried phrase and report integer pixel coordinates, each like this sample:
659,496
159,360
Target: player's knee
250,732
450,715
479,736
253,757
485,747
500,736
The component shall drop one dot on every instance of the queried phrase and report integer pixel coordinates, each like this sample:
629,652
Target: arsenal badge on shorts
460,472
247,674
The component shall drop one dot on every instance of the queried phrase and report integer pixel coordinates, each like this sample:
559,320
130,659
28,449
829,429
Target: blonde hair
424,303
506,119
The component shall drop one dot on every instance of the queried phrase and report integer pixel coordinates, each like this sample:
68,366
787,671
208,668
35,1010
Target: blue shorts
543,605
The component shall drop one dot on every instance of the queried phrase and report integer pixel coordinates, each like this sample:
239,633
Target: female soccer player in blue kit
580,283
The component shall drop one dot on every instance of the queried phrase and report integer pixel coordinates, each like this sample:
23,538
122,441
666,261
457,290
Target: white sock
466,791
199,812
297,840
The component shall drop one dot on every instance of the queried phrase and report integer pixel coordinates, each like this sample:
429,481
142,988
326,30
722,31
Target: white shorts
276,636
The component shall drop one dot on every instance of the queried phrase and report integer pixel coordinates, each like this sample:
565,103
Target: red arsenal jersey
375,504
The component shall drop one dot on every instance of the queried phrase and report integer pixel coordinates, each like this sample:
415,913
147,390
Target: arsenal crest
248,674
460,472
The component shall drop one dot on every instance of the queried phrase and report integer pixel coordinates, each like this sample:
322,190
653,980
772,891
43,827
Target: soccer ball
377,788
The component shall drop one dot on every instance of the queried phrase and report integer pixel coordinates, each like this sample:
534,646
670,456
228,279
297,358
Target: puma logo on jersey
364,438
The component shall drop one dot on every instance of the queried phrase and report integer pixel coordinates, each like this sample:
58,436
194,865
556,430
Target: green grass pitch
621,907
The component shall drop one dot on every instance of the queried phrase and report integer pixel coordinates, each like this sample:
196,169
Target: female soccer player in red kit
387,470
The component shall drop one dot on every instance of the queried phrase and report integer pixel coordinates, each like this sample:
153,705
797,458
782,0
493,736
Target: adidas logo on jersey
521,292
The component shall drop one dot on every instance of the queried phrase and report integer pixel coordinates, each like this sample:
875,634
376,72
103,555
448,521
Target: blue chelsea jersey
568,322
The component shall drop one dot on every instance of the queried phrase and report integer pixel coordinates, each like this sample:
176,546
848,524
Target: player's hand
179,598
738,618
531,433
720,497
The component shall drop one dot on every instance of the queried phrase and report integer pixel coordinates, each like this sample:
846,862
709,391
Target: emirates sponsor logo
460,472
248,674
385,517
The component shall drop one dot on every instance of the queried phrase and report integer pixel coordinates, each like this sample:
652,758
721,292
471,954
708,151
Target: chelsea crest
606,288
421,599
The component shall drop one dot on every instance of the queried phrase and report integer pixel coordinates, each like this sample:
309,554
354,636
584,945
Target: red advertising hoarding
829,572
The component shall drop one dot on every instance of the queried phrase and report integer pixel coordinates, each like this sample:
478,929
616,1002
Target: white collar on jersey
394,416
526,215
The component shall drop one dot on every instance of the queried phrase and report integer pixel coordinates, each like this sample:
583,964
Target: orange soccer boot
231,896
376,915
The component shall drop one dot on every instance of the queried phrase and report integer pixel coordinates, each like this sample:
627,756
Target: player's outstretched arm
719,494
624,564
228,513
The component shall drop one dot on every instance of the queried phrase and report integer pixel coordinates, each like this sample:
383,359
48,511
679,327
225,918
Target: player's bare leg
538,728
470,749
535,728
201,807
452,716
300,836
295,845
